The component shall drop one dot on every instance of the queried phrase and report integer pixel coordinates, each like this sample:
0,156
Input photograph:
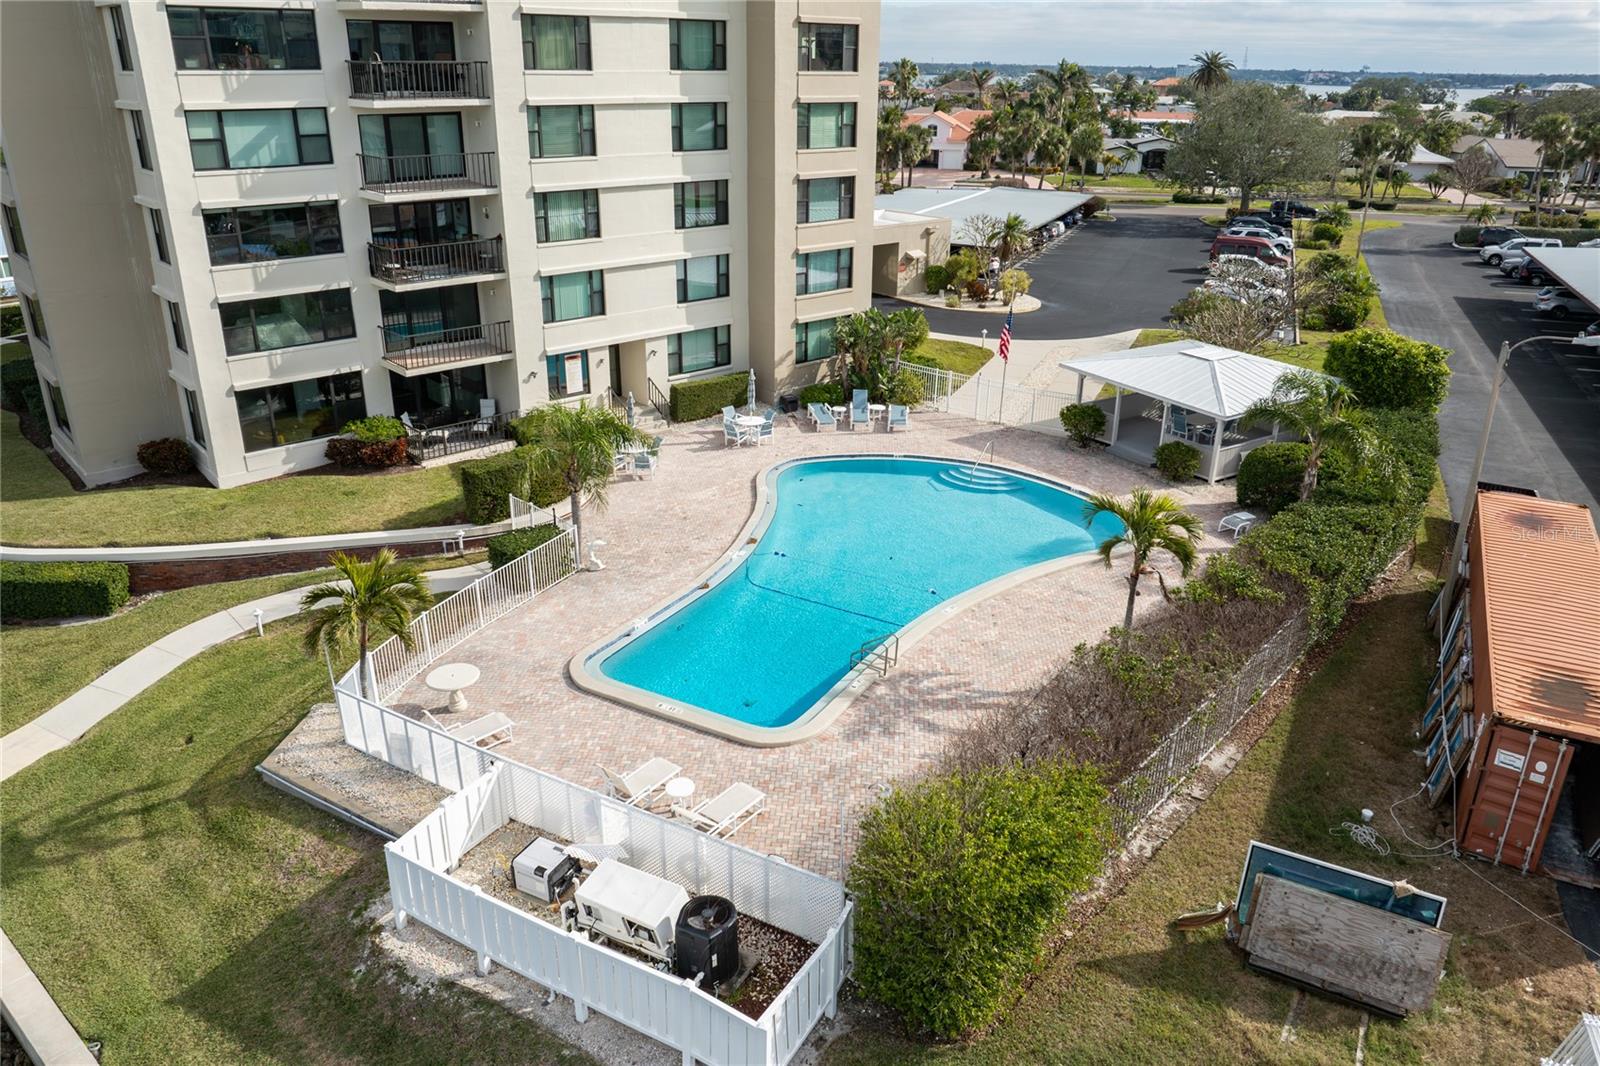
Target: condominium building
248,223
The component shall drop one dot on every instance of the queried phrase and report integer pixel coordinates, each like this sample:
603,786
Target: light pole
985,339
1506,349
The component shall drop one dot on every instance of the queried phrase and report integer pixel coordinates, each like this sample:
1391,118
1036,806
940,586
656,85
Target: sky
1455,36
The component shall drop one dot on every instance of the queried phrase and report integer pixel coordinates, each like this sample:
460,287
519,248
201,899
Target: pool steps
977,479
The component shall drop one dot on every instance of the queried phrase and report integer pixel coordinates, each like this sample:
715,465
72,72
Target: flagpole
1005,363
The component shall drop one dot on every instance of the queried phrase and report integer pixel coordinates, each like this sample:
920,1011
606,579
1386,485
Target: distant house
1513,156
1138,154
1560,87
950,132
1423,163
954,87
1167,83
1151,121
1345,117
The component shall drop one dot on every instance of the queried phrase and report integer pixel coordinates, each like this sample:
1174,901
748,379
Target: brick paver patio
661,533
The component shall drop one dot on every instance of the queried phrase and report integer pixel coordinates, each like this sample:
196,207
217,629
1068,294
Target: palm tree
1368,144
1315,405
1011,236
1110,163
1053,151
1402,146
914,141
984,141
905,330
981,77
1509,119
1006,92
1553,132
1085,144
578,446
377,597
853,338
904,75
1587,141
891,120
1065,80
1484,214
1025,130
1151,522
1211,70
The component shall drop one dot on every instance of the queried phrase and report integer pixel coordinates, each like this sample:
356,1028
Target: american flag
1005,339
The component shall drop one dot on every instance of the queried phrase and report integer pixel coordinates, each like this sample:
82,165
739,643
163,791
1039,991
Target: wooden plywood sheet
1348,949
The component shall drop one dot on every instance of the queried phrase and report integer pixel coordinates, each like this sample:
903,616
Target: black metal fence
419,79
443,172
413,351
398,264
436,441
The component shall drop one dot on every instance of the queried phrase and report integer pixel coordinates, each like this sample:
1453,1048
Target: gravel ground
315,750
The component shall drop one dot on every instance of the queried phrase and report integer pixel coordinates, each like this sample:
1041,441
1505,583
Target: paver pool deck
661,533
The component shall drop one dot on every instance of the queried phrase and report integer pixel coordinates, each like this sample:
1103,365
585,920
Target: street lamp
1477,464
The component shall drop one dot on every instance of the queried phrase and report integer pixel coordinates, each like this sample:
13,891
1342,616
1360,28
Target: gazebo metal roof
1203,378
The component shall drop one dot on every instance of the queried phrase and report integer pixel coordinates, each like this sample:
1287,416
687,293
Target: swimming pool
842,553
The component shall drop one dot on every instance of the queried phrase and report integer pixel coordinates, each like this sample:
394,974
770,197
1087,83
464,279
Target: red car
1254,247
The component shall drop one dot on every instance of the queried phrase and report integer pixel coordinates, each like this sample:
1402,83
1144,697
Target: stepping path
81,711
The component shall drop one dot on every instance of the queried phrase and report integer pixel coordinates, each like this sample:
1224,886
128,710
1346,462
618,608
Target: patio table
453,678
749,427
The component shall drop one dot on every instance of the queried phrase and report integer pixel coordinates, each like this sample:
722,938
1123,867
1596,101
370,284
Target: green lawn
1125,990
959,356
41,508
1098,182
183,912
15,349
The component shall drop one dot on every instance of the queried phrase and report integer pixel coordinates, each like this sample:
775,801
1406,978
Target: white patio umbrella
630,407
750,393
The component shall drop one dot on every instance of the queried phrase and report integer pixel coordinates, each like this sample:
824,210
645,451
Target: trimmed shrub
960,877
694,400
1335,215
1384,205
1386,369
517,543
343,451
1346,311
485,484
1547,218
978,289
1356,205
1311,245
11,320
17,379
61,590
1093,206
376,429
936,277
828,392
1178,461
903,388
1327,231
962,268
349,452
1412,438
952,299
1468,235
1269,476
1084,422
168,456
1197,198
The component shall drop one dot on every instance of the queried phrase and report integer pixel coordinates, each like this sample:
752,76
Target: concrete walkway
1036,388
85,708
48,1037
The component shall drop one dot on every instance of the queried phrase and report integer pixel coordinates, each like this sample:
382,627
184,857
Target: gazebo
1183,390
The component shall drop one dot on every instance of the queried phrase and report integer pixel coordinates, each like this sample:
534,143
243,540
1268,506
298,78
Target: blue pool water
856,549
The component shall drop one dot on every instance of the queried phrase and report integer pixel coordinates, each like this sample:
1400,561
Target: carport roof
1036,206
1577,268
1214,381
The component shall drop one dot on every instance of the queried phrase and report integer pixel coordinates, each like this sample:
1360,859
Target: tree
891,120
981,232
1436,184
1086,144
1316,406
1586,140
1151,522
1211,70
1485,214
1006,91
904,331
904,75
1052,153
981,77
1065,80
1472,172
984,141
913,141
1369,143
378,597
1390,370
1239,318
1014,283
1510,119
1011,237
1243,135
1110,163
578,445
1553,132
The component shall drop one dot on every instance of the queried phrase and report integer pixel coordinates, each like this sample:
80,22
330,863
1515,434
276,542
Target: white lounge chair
860,410
485,422
425,434
485,731
725,812
821,415
634,787
899,416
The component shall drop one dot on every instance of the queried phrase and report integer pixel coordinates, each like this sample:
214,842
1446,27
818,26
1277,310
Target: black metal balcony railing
419,79
438,437
400,264
429,173
414,351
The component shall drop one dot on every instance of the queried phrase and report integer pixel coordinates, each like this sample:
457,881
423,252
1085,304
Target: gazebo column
1116,414
1080,388
1166,416
1216,449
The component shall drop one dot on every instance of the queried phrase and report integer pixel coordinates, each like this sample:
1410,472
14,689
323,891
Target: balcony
392,6
418,353
401,177
407,266
454,80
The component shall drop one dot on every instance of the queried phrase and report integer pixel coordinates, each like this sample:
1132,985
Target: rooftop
1219,382
1036,206
1577,268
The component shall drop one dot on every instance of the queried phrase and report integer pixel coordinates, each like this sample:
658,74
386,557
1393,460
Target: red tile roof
960,123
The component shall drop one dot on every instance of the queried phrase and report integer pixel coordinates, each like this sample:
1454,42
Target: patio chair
644,463
732,432
637,785
1180,423
764,431
860,412
724,813
442,435
485,731
899,415
821,415
655,446
485,422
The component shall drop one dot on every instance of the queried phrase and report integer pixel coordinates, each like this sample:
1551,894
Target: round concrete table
453,678
679,789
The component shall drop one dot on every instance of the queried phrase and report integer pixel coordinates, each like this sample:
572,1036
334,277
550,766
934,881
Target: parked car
1243,292
1293,209
1249,268
1513,262
1254,247
1558,302
1494,253
1279,228
1496,235
1283,244
1532,272
1594,243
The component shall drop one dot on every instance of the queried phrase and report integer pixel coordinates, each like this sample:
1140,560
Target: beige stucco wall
894,270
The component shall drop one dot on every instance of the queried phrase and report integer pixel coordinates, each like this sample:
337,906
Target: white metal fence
988,398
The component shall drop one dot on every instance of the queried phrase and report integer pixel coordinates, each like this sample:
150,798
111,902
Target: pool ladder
879,653
988,449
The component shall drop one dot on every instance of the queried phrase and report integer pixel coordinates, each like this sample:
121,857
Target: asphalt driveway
1546,433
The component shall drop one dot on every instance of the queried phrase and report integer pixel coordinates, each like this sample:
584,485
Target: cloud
1467,36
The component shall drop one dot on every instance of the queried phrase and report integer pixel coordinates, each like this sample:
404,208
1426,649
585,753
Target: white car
1558,302
1243,292
1284,245
1595,243
1249,268
1495,254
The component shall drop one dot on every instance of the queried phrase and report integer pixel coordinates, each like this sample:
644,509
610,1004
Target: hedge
1568,237
61,590
1386,369
11,320
1269,476
694,400
1177,461
1197,198
16,378
519,542
168,456
486,483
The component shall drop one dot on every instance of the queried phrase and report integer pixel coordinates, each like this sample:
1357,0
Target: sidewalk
85,708
1036,388
33,1016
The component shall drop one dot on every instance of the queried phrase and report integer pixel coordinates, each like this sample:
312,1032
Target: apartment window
573,215
699,349
269,137
569,296
35,318
234,38
702,278
822,271
567,374
700,203
441,396
410,225
401,41
286,321
699,127
302,410
554,132
58,407
277,231
826,199
14,231
555,42
698,44
119,34
428,316
813,340
825,46
175,317
158,230
826,126
197,427
141,147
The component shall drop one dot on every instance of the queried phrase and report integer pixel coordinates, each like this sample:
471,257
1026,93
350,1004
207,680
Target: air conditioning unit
544,870
631,908
707,939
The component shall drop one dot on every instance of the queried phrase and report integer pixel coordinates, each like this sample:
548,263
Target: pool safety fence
987,397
